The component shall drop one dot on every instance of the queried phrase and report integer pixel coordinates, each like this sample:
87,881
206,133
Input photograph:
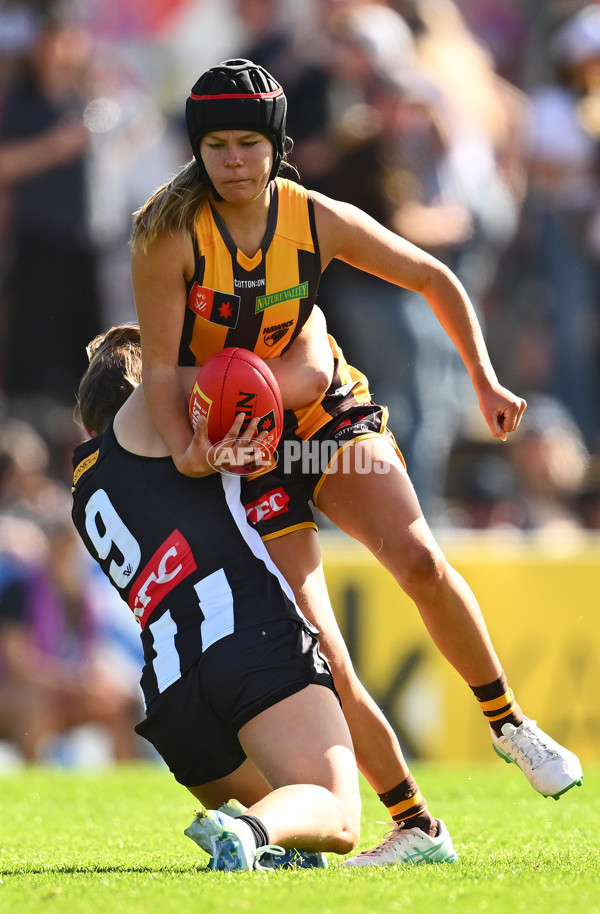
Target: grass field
111,841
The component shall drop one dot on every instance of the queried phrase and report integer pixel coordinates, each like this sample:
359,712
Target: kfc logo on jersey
270,505
171,563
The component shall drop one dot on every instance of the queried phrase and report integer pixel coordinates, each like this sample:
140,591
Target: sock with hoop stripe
406,805
498,704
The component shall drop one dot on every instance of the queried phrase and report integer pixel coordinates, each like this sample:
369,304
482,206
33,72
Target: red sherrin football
237,381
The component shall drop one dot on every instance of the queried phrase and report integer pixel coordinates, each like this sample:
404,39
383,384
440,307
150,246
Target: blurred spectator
502,29
399,175
588,497
65,657
52,295
274,42
549,459
81,146
542,481
27,488
431,163
17,31
484,494
133,144
484,117
56,673
557,254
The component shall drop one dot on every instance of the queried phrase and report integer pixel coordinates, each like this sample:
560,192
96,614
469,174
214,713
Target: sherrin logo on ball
231,382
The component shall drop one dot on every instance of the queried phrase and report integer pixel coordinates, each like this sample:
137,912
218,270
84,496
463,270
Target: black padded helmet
237,95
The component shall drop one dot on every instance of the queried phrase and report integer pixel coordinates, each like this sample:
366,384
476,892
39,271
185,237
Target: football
237,381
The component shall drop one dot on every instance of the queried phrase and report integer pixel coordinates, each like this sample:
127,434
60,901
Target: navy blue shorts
194,723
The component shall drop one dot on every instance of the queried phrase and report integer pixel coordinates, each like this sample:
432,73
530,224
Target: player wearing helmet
232,97
222,255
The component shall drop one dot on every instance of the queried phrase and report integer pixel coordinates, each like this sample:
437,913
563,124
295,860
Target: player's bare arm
304,371
159,283
136,432
350,235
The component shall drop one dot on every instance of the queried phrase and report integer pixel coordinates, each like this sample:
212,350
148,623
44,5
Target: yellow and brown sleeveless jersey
262,303
259,303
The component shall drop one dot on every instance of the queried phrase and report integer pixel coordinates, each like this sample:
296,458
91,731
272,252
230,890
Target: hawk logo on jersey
272,335
216,307
171,563
270,505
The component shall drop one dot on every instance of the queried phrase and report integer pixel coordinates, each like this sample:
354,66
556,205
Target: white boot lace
528,742
273,849
392,838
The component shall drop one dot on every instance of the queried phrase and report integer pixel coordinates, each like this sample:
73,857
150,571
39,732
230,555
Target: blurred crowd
470,127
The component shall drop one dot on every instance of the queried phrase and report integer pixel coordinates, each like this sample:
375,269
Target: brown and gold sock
498,704
406,805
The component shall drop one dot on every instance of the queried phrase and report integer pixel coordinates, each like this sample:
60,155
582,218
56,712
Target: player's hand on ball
194,460
240,449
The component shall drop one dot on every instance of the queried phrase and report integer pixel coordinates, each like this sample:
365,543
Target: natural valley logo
275,298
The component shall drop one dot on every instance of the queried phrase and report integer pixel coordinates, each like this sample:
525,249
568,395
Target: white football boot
549,767
408,845
229,842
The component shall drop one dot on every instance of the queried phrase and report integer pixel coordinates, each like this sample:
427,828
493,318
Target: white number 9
115,533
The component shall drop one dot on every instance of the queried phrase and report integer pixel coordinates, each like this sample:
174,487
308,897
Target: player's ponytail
172,208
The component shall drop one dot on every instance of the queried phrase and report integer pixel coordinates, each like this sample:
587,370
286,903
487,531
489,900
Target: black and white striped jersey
179,551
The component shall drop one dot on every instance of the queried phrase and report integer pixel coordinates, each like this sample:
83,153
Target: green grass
112,841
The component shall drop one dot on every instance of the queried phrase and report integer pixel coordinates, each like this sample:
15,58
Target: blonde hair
115,370
172,208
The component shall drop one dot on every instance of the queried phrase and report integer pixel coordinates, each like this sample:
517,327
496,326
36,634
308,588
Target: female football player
239,701
230,253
